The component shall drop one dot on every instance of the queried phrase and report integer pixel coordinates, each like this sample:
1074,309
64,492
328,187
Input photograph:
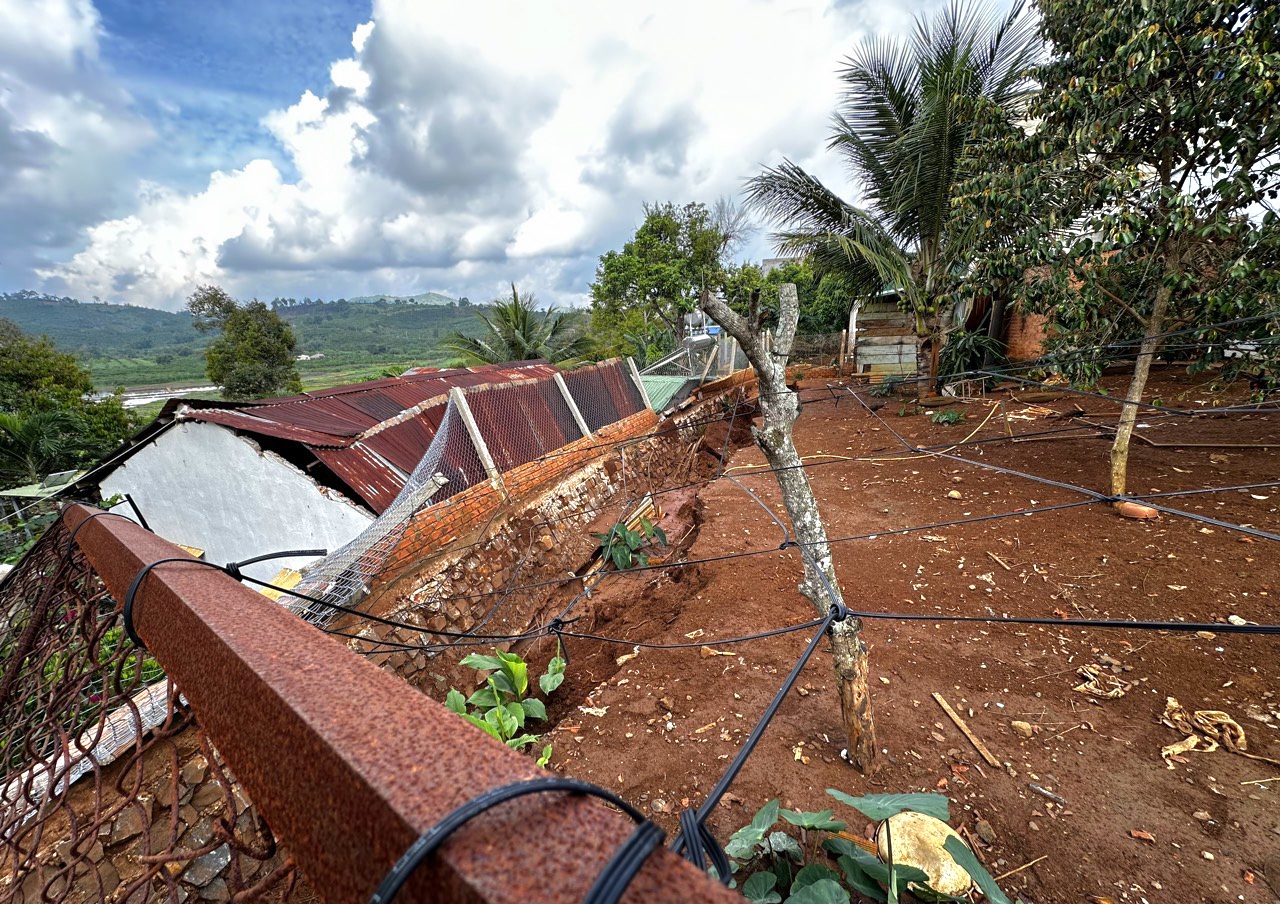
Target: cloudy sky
333,148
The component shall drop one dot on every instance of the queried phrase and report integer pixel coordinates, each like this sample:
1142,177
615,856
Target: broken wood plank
968,732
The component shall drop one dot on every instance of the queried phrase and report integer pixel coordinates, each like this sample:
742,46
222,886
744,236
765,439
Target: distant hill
424,298
133,346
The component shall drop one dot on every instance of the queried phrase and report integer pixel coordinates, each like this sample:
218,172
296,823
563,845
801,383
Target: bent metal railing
128,771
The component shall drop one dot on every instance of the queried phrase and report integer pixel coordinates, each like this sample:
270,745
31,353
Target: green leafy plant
502,708
623,546
886,388
774,861
948,418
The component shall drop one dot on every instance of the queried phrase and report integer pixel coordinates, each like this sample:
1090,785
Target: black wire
685,841
624,864
126,613
435,836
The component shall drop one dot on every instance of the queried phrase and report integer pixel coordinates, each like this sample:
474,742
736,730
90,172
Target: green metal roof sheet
662,390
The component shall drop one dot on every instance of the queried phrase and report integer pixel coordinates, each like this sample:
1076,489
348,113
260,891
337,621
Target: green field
132,347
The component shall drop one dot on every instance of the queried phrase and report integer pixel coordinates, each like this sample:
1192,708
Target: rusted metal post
573,406
346,763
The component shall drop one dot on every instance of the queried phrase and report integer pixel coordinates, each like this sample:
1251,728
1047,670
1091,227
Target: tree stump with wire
779,407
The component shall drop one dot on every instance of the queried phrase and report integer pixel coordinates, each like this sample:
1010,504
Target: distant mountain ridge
130,345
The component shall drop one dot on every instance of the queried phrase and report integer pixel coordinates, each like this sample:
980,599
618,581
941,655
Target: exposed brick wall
1026,334
465,561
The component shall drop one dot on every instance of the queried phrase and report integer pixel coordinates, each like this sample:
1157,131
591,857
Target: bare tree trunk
995,325
1141,370
779,408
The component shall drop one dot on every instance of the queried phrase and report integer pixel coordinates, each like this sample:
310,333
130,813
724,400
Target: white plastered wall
206,486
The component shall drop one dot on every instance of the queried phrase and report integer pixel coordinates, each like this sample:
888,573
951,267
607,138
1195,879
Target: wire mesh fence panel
817,348
621,384
600,395
449,466
521,422
110,790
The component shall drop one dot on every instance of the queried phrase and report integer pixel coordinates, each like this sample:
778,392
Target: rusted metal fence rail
345,763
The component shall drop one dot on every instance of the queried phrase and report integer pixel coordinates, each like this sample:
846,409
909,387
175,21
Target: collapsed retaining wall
461,565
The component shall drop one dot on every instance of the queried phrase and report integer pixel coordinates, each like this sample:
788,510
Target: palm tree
905,126
33,445
516,332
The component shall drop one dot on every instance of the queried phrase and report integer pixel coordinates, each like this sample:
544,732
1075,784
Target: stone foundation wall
466,566
193,837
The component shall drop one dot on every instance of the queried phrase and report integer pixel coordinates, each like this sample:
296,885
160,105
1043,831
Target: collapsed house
315,471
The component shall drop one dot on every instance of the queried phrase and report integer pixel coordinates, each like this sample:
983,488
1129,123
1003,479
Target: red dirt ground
672,719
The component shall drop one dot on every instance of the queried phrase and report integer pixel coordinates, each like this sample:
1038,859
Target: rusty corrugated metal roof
353,430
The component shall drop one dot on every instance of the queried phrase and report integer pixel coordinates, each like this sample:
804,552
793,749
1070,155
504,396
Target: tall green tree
37,443
657,276
1145,190
517,331
253,355
38,379
905,128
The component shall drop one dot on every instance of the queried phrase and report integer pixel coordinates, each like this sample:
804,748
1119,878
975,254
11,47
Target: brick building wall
1026,335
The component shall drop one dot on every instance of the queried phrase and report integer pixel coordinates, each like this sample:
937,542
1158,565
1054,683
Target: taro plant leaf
660,535
783,844
742,843
516,672
881,806
823,820
759,888
501,682
811,874
523,740
858,879
481,662
546,756
961,854
875,868
482,725
554,676
534,708
517,713
456,702
824,891
485,698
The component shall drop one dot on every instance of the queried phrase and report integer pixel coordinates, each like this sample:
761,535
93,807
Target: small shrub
948,418
775,862
501,708
622,546
886,388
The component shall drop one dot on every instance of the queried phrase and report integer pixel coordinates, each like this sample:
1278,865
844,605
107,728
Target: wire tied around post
623,865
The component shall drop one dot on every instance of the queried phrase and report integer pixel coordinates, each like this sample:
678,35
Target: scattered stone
204,870
1202,815
215,891
985,831
954,494
129,824
1022,729
195,771
1035,826
1206,855
207,795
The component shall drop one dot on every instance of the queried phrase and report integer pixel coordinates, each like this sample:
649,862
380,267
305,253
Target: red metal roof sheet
375,482
247,423
329,422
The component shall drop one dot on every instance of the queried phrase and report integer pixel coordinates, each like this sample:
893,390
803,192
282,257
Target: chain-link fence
817,348
110,790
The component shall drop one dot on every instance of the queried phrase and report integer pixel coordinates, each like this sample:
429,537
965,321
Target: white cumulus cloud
463,146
